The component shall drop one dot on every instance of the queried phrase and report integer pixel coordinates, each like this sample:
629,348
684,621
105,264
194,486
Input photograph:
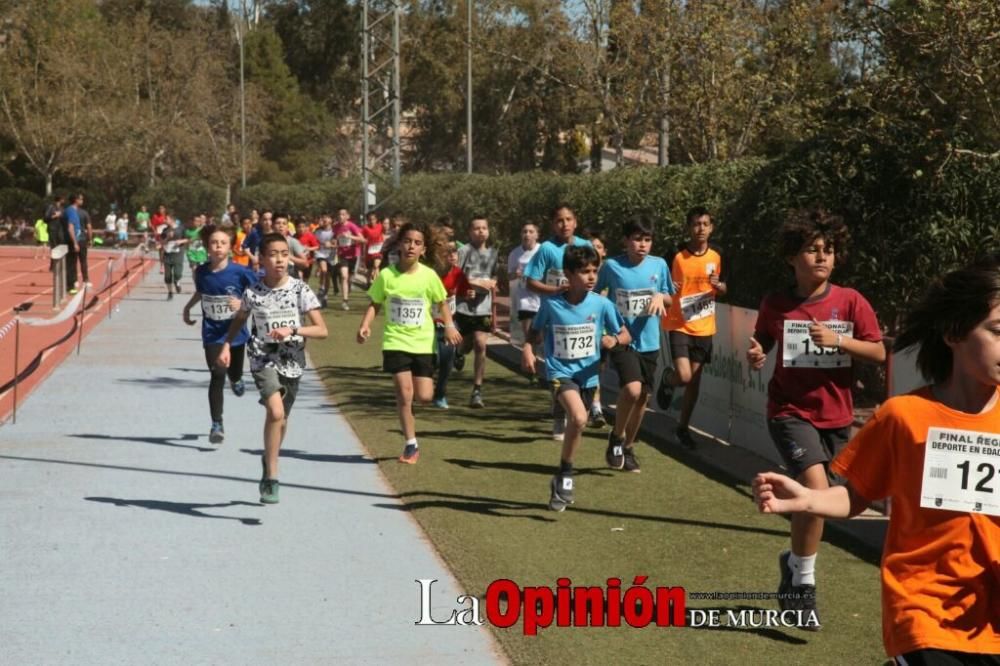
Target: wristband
451,325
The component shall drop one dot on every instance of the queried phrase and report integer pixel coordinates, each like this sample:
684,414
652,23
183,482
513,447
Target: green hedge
184,198
16,202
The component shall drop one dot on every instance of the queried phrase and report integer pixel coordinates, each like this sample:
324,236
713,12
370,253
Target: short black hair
951,308
477,216
637,225
270,239
804,226
559,207
206,232
696,212
579,257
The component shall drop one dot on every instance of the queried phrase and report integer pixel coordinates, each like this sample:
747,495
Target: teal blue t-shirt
631,287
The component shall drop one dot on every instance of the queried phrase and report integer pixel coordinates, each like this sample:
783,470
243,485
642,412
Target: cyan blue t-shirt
72,216
572,335
631,287
216,289
547,264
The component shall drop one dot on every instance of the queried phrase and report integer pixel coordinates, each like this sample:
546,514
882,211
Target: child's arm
528,359
195,298
451,333
540,287
623,338
365,330
316,328
777,493
234,329
862,350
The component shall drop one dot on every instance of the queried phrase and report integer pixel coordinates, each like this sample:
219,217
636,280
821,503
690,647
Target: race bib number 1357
961,471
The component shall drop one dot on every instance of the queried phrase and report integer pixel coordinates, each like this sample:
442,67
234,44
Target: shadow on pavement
159,441
315,457
182,508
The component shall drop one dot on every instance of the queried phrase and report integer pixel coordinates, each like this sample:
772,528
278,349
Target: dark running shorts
697,348
421,365
802,445
633,366
473,323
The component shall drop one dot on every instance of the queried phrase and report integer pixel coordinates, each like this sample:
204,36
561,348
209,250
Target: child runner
240,254
410,289
934,453
172,256
697,270
349,240
455,283
820,329
595,417
196,253
309,241
544,275
523,301
374,238
219,285
277,347
474,315
640,288
574,326
324,235
121,224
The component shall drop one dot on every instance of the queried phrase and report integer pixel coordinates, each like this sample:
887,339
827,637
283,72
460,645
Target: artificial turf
480,493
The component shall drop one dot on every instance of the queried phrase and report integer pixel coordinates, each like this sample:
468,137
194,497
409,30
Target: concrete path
126,538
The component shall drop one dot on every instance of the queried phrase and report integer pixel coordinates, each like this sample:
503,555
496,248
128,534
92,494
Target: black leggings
218,381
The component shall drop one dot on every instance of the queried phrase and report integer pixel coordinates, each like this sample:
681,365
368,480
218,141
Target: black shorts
524,315
346,263
473,323
697,348
802,445
633,366
562,384
421,365
323,260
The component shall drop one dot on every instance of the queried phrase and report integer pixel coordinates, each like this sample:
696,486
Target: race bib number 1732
575,342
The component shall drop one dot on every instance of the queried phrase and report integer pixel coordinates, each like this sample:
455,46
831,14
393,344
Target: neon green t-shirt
41,231
407,300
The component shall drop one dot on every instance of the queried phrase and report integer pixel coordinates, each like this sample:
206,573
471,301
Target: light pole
468,88
243,98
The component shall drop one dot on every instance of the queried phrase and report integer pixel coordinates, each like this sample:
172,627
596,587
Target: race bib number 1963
573,342
799,351
275,319
961,471
406,311
633,303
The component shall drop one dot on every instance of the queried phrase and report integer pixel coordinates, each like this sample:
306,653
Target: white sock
413,442
595,406
803,569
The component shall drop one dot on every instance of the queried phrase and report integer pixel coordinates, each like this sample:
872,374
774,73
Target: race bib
345,241
574,342
799,351
375,249
451,307
698,306
216,307
555,278
406,311
633,303
170,247
961,471
272,320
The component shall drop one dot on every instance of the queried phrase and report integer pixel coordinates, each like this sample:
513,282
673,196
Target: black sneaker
631,462
804,601
216,435
615,453
785,583
459,361
685,438
562,492
269,491
664,394
597,419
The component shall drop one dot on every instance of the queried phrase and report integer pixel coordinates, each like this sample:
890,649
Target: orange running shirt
940,569
693,308
240,256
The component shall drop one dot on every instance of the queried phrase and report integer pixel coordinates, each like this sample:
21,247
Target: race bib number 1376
961,471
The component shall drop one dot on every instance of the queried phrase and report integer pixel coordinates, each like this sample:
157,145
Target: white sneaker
558,429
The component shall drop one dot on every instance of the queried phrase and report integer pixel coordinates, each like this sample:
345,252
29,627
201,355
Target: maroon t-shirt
810,383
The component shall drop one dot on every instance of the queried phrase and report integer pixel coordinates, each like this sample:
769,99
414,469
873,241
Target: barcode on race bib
575,342
939,472
406,311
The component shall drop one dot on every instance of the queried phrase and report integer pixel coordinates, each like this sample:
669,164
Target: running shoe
631,462
441,403
558,429
561,492
344,306
615,454
685,438
476,400
785,582
596,419
170,294
263,473
239,388
269,491
216,435
75,290
797,597
665,394
411,454
459,361
177,286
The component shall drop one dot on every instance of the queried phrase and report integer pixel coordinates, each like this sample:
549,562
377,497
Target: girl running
410,289
219,286
455,284
936,453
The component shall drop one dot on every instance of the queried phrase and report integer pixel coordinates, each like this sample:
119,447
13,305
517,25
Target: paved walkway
126,538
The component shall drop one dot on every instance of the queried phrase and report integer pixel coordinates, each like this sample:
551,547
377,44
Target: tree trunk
663,142
48,185
596,150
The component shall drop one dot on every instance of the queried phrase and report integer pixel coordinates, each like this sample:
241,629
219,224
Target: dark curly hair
803,226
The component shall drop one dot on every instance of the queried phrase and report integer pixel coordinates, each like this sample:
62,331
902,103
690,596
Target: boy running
523,301
544,276
374,238
349,239
410,289
574,328
697,270
941,559
819,329
474,314
277,347
455,283
219,286
640,288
